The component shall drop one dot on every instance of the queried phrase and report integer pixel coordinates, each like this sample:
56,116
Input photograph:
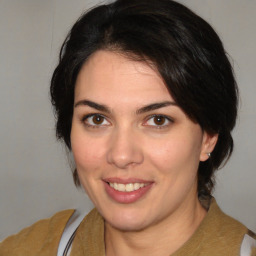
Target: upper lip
126,181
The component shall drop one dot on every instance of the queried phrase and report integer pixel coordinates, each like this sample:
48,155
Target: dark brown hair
184,49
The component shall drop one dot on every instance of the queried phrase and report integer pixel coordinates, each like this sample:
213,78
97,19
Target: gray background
35,180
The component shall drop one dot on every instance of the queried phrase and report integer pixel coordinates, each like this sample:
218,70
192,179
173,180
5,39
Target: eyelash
84,120
86,117
166,119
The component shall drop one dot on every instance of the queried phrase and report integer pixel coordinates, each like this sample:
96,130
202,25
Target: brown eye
159,120
97,119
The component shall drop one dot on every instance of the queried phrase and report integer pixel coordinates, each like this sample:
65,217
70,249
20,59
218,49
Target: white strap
69,233
247,245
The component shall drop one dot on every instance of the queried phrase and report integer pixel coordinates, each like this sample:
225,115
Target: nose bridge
124,149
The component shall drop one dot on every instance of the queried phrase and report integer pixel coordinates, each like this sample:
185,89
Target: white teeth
127,187
137,186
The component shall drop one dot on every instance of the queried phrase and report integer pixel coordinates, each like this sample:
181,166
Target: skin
126,142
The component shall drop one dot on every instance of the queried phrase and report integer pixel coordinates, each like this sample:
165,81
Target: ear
208,144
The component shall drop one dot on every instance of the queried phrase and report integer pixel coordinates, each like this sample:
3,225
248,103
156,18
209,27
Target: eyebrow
104,108
94,105
155,106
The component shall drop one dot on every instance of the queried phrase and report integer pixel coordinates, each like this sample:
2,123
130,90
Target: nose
124,149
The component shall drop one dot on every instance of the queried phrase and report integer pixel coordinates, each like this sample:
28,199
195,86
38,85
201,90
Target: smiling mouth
130,187
126,191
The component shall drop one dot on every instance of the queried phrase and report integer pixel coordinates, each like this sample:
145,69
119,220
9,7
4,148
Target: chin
128,226
126,220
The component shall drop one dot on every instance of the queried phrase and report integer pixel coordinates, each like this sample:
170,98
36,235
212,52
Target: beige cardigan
218,234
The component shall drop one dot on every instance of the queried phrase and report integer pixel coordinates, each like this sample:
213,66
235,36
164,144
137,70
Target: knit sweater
218,234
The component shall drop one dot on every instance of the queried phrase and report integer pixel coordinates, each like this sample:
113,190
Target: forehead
109,75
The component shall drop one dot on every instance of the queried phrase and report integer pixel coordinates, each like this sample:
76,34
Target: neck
170,234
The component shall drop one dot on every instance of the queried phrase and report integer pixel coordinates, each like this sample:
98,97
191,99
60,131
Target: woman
146,100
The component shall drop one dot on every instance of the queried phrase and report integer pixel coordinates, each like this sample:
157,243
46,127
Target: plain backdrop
35,178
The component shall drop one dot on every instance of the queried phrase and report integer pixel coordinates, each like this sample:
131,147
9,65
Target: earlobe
208,145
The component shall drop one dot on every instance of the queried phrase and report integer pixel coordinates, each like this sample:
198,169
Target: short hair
184,49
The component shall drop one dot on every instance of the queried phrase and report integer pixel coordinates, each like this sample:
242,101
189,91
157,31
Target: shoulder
41,236
228,234
224,223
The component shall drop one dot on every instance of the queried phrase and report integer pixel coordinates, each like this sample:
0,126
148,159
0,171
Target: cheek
176,155
87,152
88,158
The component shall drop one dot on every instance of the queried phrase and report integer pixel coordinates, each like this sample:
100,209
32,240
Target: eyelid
86,117
169,119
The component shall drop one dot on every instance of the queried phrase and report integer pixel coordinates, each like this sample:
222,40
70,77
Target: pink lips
126,197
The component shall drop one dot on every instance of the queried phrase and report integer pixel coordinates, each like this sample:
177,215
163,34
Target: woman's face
136,152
